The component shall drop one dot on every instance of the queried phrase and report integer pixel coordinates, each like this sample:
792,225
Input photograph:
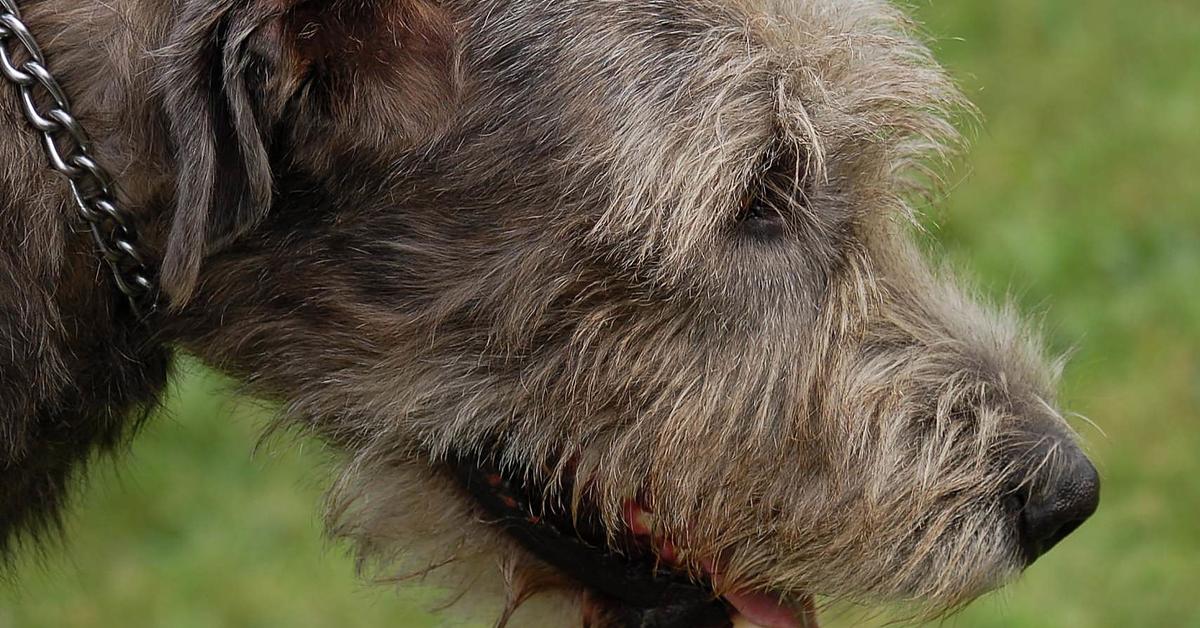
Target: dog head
634,279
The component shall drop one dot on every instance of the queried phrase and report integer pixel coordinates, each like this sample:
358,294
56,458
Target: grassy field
1082,195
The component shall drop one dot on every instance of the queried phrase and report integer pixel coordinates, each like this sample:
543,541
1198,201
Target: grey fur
425,226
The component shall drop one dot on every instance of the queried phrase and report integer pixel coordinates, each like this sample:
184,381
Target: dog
613,309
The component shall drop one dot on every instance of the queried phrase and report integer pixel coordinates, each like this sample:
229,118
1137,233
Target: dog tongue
754,610
764,610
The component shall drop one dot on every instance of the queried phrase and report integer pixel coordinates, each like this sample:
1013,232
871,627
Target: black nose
1055,505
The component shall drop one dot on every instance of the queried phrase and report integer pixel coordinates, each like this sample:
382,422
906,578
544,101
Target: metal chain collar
69,151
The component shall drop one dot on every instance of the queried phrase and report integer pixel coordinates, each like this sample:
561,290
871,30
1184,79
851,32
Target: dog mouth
637,584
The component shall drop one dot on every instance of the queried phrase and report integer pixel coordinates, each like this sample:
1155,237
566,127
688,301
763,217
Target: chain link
69,151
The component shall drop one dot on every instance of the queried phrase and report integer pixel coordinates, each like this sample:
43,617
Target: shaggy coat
651,252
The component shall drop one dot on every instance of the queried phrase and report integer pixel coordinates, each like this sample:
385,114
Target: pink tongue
764,610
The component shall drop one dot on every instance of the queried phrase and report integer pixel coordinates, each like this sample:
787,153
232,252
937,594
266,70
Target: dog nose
1058,504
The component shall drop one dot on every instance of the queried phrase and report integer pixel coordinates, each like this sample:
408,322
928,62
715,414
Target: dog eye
758,209
776,192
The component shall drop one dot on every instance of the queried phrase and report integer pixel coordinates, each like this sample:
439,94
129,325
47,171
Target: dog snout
1059,492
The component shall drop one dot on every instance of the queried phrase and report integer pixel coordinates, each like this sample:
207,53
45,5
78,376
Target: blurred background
1081,196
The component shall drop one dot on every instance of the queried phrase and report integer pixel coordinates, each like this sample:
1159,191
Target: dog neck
112,96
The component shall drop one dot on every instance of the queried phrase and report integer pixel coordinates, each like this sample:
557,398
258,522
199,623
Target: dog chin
761,609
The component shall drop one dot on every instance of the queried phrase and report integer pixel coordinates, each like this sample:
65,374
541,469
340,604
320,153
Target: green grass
195,529
1082,195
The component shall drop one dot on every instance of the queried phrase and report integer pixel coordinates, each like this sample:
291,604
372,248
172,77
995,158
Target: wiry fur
514,223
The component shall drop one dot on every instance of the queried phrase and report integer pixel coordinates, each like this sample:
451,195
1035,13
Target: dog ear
234,68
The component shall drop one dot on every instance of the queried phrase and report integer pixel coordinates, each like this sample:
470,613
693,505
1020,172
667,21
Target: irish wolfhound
610,304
